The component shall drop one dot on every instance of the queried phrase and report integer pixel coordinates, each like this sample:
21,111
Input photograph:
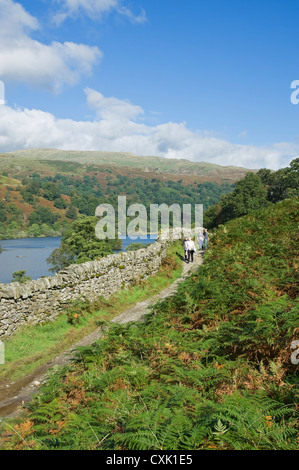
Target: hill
150,164
210,368
42,192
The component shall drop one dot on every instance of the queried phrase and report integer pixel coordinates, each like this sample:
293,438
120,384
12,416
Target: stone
44,299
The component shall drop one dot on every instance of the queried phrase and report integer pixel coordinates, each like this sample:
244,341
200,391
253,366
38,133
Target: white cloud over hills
116,127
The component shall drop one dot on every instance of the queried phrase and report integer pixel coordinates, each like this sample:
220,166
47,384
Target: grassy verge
33,346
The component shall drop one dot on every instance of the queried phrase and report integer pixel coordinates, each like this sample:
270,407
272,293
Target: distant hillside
149,164
41,198
43,190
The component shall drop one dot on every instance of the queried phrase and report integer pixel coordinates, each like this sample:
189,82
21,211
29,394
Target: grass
6,180
32,346
48,157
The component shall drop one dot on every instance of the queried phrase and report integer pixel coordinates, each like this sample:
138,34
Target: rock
36,383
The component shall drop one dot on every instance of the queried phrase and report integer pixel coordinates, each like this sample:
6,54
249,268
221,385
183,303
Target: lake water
30,254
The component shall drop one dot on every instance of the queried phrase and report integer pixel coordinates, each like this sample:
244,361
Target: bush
20,276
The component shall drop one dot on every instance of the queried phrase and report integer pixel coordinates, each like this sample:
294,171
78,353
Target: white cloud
116,128
142,18
95,9
27,60
15,20
111,108
90,7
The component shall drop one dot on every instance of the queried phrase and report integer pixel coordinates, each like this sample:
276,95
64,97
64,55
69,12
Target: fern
209,368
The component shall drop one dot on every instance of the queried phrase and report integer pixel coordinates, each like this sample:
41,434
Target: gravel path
16,394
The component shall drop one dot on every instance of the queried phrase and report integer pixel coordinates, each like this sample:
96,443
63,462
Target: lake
30,254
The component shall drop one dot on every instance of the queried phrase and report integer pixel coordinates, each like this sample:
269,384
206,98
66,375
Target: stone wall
44,299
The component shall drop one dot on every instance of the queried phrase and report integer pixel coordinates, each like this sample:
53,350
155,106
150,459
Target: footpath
15,395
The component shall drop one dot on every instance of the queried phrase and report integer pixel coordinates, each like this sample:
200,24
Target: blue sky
177,78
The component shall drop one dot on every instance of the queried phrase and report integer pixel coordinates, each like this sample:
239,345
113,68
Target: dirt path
16,394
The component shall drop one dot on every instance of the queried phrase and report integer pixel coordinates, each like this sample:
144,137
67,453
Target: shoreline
12,249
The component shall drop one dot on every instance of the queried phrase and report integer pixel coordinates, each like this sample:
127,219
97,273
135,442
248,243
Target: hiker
191,249
200,241
184,245
206,239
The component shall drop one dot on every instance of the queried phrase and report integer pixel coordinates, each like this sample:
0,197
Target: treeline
255,191
86,193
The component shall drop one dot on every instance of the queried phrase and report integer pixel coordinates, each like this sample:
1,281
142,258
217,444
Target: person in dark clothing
206,239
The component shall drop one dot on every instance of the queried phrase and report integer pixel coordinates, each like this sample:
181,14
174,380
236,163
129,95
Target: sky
214,81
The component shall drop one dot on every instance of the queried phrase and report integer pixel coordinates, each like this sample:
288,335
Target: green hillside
46,199
210,368
119,159
43,190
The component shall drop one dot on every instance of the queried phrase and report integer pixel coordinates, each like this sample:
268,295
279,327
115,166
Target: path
14,395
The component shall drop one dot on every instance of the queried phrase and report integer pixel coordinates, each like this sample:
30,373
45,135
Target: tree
34,230
79,244
3,231
249,194
12,229
15,214
27,196
266,176
19,276
51,191
71,213
61,258
60,203
292,176
3,216
42,215
283,183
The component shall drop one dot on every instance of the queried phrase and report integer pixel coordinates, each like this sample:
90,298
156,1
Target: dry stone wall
44,299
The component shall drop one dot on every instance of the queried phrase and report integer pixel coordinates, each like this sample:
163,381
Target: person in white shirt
185,248
190,249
